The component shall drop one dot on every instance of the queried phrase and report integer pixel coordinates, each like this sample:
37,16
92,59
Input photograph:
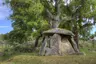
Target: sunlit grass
29,59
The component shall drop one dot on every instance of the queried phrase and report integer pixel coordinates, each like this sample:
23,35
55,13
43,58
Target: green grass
33,58
30,59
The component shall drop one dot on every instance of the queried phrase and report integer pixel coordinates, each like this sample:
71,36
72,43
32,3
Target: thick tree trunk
54,19
55,24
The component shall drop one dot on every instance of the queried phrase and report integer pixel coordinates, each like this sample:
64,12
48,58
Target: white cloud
4,26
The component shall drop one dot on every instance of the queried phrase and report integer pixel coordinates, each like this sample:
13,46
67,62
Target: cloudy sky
5,23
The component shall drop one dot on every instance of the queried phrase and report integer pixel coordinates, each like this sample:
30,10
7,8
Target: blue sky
5,23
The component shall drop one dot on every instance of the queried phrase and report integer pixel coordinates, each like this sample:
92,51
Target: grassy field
30,59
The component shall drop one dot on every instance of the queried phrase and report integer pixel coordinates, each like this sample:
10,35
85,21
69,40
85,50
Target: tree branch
49,14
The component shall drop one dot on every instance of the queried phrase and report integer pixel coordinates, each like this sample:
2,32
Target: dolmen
58,41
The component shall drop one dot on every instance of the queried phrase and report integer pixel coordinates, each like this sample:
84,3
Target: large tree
82,18
27,19
34,15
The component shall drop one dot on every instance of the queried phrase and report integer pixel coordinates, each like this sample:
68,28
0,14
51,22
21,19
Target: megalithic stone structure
58,42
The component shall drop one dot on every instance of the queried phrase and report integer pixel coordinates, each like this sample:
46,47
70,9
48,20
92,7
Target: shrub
8,51
25,47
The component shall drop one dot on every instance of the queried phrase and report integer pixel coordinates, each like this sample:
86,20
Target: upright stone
56,41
